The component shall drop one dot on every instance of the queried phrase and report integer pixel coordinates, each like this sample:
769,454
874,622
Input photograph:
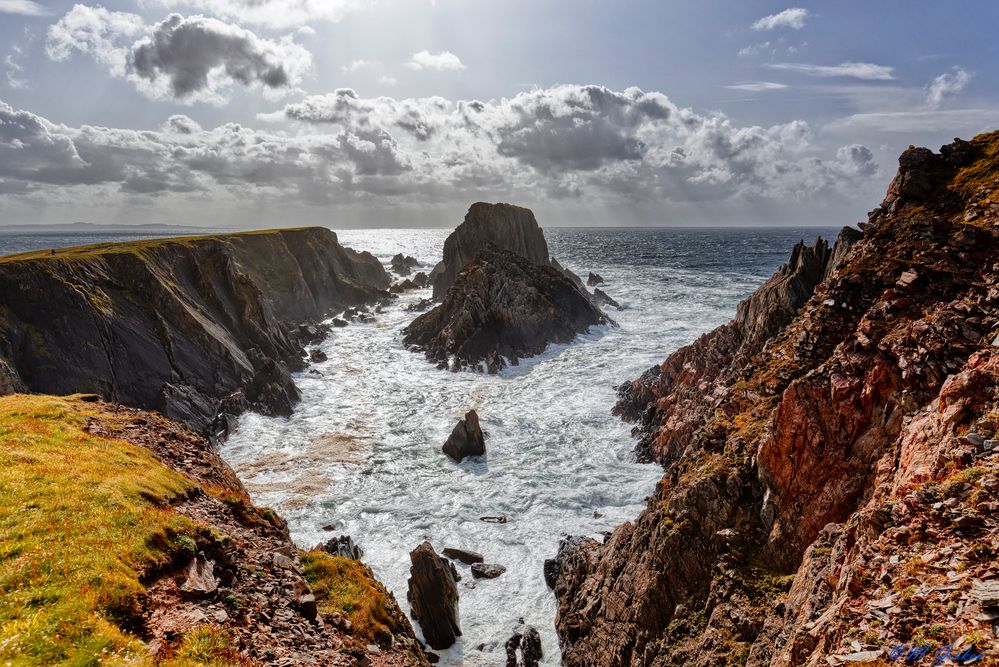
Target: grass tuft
347,587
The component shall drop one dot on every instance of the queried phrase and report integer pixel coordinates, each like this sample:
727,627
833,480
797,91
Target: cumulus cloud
97,32
192,59
591,144
279,14
757,86
866,71
793,17
945,86
442,62
22,7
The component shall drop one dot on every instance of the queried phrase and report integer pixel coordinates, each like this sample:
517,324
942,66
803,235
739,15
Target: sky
375,113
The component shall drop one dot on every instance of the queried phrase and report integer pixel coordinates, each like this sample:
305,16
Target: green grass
207,646
133,247
82,519
348,587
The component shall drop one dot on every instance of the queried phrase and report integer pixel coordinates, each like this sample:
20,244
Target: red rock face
830,481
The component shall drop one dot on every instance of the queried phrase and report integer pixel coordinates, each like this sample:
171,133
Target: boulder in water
528,644
487,570
594,279
404,265
433,596
601,296
466,439
465,556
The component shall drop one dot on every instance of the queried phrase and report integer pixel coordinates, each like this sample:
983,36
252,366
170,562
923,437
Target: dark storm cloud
191,59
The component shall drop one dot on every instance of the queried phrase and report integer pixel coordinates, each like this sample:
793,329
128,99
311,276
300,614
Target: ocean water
361,455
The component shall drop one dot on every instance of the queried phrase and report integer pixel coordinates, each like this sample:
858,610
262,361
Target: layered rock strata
192,327
829,490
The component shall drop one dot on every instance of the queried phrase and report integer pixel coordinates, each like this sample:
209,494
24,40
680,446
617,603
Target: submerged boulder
404,264
433,596
466,439
502,306
528,644
506,226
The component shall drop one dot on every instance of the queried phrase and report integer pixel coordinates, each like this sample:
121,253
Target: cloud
14,70
945,86
97,32
866,71
22,7
587,145
359,66
951,122
442,62
753,49
757,86
793,17
277,14
193,59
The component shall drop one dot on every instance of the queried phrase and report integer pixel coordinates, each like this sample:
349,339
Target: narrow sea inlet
361,455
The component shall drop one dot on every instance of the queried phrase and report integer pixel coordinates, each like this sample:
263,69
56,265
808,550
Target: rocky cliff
127,540
831,470
502,307
506,226
189,326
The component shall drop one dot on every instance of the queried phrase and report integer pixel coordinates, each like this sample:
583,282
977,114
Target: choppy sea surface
362,456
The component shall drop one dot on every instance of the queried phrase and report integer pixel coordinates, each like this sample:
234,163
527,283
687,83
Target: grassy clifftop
103,511
83,520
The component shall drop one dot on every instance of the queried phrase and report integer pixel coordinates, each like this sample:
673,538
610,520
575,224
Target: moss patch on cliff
983,172
348,588
82,519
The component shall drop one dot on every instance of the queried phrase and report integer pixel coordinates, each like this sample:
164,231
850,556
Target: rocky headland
193,327
831,471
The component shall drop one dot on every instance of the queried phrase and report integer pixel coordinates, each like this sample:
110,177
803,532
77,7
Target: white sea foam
557,464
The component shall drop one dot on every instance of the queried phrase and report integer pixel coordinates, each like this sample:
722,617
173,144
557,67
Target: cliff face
191,327
127,540
506,226
831,479
502,306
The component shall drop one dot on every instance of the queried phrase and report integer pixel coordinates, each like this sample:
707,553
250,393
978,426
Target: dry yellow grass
82,519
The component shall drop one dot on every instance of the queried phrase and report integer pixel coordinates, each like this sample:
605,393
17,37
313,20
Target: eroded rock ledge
189,326
502,306
829,487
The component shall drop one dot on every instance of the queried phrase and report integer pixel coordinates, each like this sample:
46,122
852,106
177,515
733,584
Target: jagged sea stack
506,226
502,307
